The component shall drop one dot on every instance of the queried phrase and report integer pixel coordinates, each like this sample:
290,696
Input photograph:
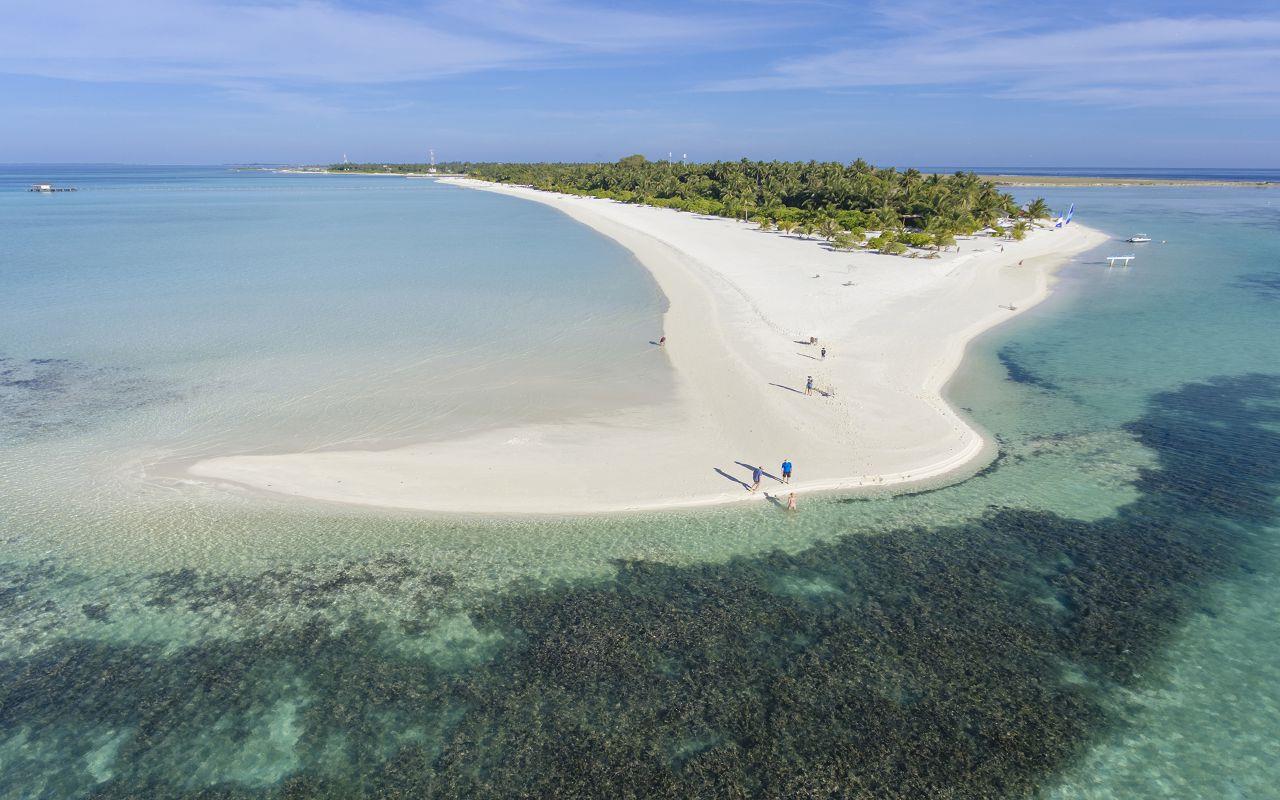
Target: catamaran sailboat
1065,219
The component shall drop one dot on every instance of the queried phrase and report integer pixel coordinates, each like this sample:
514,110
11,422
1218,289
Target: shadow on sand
788,388
738,481
745,465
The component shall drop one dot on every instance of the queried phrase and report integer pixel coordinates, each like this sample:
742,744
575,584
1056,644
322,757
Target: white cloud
273,52
1157,61
309,41
185,40
605,29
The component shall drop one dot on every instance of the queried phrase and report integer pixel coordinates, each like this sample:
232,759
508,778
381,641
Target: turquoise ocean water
1093,616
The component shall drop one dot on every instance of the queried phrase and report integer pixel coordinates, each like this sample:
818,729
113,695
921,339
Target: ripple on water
969,659
50,396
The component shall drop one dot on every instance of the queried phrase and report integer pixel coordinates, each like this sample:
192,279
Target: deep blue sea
1092,616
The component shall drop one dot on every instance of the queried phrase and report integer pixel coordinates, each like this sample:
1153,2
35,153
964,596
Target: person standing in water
757,475
791,502
786,471
808,385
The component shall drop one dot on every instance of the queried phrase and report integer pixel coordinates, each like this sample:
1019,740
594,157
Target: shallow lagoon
1088,617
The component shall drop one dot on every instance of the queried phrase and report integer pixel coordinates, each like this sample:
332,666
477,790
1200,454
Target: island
815,313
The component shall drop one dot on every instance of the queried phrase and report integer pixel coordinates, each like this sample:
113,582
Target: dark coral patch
969,660
1264,285
99,612
53,395
1019,372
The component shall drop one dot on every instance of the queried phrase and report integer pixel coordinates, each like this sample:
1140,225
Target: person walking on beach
757,475
824,354
662,342
808,385
786,471
791,502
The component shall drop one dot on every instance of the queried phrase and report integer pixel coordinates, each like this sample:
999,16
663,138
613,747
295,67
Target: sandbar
742,305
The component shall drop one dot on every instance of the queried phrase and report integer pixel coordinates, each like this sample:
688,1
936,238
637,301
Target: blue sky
966,82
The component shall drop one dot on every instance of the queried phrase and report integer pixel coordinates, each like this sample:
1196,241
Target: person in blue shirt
757,475
786,471
808,385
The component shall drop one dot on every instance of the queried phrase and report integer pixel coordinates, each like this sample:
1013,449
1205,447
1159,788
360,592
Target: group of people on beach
822,356
757,475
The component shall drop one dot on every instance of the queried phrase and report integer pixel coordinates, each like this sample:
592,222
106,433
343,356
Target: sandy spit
741,302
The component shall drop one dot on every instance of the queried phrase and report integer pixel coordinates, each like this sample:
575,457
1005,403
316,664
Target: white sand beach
741,302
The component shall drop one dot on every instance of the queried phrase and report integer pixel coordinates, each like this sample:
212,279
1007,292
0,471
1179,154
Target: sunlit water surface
1092,616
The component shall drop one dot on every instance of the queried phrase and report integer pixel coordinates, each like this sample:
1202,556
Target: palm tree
1037,209
846,240
887,219
856,194
828,228
943,239
786,225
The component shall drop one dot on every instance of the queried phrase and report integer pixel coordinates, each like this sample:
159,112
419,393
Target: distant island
1085,180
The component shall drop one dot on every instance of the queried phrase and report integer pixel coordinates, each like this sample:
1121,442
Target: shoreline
1084,181
739,301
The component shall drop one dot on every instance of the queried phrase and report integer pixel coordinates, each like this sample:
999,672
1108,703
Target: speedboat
1139,237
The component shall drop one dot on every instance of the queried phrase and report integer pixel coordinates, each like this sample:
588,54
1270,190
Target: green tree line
840,202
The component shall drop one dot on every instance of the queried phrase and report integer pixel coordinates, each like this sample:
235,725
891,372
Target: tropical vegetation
839,202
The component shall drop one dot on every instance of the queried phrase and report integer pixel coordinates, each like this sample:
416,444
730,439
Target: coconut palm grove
839,202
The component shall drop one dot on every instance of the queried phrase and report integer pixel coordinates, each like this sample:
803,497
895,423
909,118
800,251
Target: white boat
1139,237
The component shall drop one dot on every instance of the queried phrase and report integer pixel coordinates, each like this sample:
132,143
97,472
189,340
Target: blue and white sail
1066,219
